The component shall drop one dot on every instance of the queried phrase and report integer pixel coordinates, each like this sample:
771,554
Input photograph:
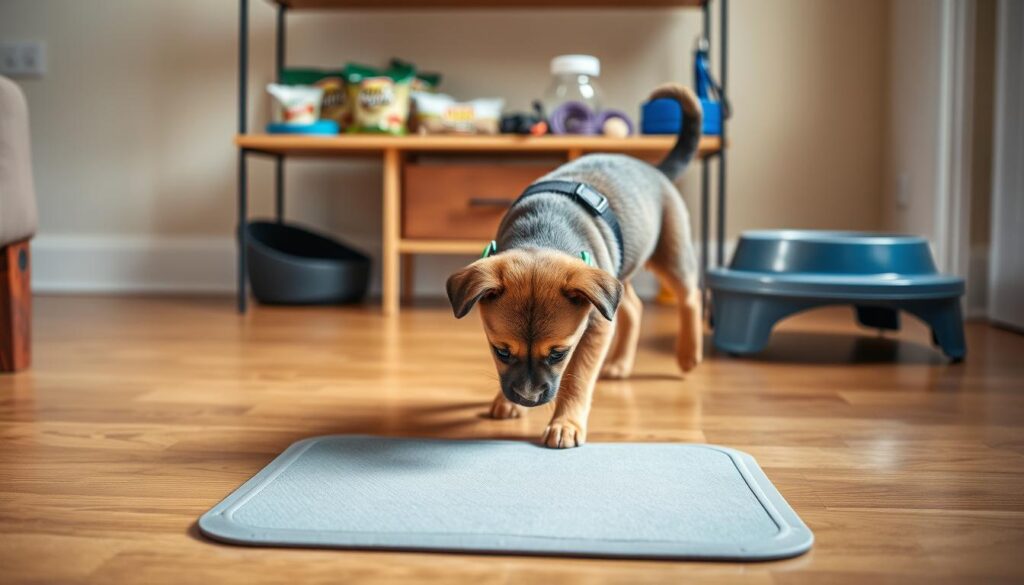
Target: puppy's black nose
543,388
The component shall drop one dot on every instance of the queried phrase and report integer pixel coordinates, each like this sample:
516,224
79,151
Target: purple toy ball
573,118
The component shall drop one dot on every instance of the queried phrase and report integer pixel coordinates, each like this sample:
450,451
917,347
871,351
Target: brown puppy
538,309
555,296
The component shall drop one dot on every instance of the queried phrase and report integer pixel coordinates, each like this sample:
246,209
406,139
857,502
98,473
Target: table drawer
461,201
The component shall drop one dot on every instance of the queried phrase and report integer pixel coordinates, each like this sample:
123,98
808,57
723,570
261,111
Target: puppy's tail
689,131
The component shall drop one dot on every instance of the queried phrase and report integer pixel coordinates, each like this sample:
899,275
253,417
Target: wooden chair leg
15,307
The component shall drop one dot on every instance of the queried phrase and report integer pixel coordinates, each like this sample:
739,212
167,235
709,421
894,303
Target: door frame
1005,155
956,126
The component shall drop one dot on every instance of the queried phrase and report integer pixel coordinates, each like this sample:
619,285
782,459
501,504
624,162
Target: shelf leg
279,188
243,274
705,188
279,52
723,68
279,59
243,115
705,220
706,22
390,256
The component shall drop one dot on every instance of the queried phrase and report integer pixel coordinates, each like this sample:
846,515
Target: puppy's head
535,305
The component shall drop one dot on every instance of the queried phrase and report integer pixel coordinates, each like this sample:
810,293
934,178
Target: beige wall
925,130
913,114
132,125
809,87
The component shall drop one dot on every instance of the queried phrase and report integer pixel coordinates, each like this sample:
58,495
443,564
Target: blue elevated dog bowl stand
774,274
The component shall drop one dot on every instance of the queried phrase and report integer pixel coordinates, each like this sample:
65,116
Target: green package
379,99
423,82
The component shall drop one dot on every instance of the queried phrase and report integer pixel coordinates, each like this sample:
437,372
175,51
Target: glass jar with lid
574,80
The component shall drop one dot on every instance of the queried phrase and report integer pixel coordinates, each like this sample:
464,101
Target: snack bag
423,82
334,105
441,114
379,99
296,104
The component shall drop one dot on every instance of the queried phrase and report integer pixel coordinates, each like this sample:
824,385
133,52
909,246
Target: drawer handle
491,202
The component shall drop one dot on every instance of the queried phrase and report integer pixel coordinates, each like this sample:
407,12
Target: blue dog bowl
774,274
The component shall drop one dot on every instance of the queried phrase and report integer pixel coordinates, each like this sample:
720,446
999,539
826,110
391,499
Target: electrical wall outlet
903,191
23,58
8,58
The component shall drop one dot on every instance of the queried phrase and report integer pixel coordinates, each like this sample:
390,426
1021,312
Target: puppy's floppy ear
592,284
472,283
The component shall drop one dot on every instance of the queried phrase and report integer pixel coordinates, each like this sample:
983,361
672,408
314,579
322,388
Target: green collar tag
587,258
491,248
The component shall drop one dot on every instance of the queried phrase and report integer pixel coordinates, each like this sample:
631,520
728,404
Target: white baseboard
197,265
135,264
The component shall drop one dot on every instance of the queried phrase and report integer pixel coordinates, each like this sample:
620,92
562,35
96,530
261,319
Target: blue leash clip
712,98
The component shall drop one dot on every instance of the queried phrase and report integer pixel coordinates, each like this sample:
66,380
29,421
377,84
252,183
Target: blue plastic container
665,116
774,274
326,127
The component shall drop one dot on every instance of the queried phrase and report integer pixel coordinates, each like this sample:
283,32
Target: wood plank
369,144
142,413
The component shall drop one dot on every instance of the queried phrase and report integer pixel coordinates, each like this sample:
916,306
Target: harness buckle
594,201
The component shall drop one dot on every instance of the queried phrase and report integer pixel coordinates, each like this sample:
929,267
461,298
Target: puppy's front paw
618,370
564,434
502,408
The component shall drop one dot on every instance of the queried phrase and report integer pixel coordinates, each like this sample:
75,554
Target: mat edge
217,524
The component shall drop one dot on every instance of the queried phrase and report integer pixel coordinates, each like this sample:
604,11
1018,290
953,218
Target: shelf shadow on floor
816,347
809,347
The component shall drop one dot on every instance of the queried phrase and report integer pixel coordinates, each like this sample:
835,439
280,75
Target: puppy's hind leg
690,342
622,356
674,262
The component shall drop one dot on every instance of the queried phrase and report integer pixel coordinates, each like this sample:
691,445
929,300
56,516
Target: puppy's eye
557,355
503,354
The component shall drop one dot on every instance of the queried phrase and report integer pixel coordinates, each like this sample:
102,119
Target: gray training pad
641,500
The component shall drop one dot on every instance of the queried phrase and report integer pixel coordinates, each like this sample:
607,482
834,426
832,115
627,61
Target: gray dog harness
594,202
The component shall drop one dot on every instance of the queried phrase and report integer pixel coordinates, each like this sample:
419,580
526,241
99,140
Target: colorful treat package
335,104
379,99
423,82
296,104
441,114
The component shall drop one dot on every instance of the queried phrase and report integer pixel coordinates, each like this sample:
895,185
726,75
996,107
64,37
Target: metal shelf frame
280,55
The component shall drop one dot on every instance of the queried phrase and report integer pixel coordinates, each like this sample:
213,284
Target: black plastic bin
291,265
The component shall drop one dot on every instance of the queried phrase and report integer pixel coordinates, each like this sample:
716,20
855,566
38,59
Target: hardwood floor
140,414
